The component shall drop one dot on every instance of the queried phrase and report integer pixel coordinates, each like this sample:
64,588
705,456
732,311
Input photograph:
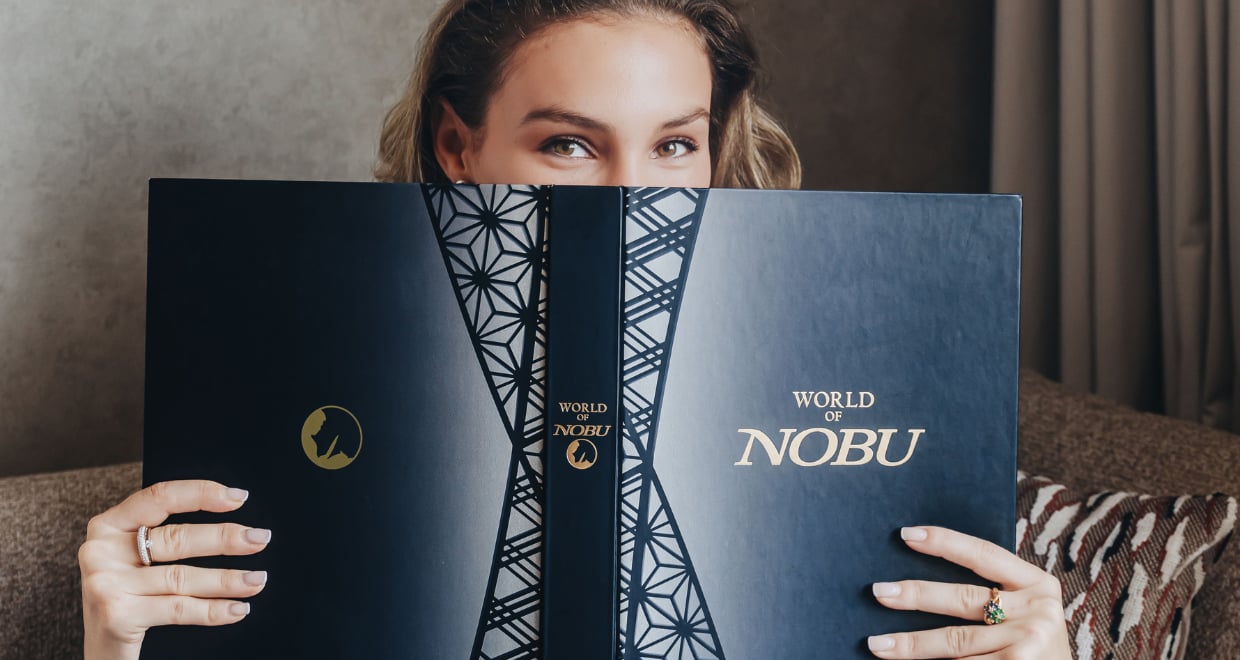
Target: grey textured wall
95,98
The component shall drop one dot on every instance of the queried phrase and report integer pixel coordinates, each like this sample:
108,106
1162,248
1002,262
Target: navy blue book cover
522,422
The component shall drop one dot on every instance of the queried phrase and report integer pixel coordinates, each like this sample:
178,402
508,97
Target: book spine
582,442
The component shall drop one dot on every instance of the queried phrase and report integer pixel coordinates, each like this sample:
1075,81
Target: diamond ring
144,545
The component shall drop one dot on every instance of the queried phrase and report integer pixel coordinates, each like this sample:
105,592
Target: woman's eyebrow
566,117
687,119
563,116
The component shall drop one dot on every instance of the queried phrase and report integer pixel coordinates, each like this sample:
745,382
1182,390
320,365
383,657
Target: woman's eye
674,149
566,149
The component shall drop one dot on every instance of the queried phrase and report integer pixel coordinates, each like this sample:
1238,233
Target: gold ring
992,613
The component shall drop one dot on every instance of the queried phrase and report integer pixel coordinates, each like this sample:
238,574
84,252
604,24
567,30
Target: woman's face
609,101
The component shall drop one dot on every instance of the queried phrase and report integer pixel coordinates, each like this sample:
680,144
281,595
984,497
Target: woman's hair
469,43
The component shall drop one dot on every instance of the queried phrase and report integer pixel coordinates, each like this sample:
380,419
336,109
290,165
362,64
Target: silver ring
144,545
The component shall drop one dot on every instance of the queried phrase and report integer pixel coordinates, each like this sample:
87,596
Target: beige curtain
1119,122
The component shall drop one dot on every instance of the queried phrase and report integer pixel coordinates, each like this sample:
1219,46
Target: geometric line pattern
493,242
663,614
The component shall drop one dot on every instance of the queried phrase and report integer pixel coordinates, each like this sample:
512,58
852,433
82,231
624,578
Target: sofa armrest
1088,442
42,522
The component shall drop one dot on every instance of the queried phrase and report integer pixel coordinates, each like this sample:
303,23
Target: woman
604,92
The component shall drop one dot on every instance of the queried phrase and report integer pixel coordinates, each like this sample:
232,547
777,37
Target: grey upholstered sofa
1079,440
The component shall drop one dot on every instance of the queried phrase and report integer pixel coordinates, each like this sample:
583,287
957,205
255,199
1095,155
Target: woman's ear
453,142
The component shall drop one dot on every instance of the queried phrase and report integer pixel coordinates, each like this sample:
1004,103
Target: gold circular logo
331,437
582,454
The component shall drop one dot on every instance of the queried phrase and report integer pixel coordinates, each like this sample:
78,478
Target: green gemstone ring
992,613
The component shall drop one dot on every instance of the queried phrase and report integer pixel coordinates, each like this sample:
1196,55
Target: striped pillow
1129,564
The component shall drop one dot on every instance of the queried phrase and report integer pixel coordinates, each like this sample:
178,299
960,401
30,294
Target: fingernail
886,589
255,578
882,643
255,535
237,494
239,609
913,534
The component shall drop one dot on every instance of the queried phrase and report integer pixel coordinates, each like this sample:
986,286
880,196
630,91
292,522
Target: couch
1080,440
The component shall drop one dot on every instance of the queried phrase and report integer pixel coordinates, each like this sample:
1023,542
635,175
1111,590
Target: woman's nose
628,170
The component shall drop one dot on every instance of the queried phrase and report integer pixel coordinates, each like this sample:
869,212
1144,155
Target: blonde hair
468,43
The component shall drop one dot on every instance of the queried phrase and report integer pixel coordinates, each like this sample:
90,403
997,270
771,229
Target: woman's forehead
618,70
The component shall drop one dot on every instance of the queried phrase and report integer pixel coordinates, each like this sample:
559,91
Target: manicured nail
239,609
913,534
255,578
237,494
882,643
255,535
886,589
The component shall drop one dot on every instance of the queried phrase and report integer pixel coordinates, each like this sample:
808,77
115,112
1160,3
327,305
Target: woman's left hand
1032,601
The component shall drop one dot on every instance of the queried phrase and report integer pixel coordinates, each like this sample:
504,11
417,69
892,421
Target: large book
519,422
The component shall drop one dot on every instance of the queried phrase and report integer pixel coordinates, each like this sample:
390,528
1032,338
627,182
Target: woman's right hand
122,598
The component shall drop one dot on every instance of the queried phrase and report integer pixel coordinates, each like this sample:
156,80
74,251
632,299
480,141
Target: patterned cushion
1129,564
